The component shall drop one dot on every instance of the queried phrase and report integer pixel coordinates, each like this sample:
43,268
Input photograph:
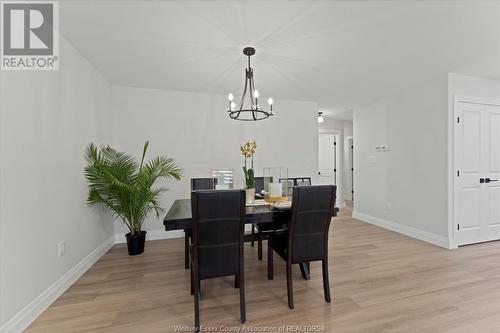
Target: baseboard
26,316
153,235
403,229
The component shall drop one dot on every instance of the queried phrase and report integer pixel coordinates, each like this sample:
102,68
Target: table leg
259,249
187,237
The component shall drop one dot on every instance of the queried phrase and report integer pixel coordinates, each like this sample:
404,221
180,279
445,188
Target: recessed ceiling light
320,117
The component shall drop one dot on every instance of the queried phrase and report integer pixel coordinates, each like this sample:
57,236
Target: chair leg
253,233
289,284
192,282
259,249
236,281
270,264
197,305
326,282
243,314
186,249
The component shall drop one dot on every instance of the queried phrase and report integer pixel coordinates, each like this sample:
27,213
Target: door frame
347,148
452,159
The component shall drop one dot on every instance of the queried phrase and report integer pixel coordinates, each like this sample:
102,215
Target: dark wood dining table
265,217
179,216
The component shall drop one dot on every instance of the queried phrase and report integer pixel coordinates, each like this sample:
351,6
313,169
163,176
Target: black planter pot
135,243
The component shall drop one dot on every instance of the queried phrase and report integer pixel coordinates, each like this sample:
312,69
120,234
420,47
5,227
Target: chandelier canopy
253,111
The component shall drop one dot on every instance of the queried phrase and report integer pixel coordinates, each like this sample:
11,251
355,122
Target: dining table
265,217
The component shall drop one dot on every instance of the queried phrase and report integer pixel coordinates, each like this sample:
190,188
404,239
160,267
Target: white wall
464,86
196,131
47,119
412,175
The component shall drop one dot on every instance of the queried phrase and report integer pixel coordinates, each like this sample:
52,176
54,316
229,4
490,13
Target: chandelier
254,111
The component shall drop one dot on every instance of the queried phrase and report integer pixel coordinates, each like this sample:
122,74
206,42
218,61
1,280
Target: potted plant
248,150
118,182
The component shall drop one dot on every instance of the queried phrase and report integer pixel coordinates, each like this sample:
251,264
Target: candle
274,190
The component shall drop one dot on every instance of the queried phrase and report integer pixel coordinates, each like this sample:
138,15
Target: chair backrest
302,181
260,183
203,183
312,210
218,223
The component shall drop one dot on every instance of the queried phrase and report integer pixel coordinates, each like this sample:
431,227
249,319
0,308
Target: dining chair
301,181
207,183
218,224
306,239
197,184
260,185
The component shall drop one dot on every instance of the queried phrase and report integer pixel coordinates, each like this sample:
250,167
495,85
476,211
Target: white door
477,179
327,159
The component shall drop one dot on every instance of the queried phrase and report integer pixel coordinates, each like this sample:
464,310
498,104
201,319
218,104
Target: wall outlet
62,248
388,205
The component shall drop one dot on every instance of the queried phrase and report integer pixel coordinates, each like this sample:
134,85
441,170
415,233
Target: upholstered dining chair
197,184
207,183
218,226
307,237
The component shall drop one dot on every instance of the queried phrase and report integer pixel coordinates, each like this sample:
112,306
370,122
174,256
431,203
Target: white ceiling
338,53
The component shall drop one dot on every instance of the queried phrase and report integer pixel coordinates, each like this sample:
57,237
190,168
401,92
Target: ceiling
338,53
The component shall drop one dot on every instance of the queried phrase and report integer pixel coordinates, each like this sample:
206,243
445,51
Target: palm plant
126,187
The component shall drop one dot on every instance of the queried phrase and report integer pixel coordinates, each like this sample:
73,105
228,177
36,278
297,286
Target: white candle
274,190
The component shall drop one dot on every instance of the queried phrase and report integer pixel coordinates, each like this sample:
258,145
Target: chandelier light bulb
256,94
270,101
230,97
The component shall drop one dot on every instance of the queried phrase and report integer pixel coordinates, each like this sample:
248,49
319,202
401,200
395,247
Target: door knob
488,180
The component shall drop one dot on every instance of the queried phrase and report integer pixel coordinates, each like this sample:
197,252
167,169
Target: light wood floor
381,282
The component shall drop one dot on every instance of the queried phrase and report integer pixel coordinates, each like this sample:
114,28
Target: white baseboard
26,316
405,230
153,235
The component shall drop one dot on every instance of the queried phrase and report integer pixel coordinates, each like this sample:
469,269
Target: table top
179,215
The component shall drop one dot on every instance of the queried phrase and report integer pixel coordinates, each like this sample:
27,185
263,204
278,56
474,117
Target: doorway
330,163
329,158
476,195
